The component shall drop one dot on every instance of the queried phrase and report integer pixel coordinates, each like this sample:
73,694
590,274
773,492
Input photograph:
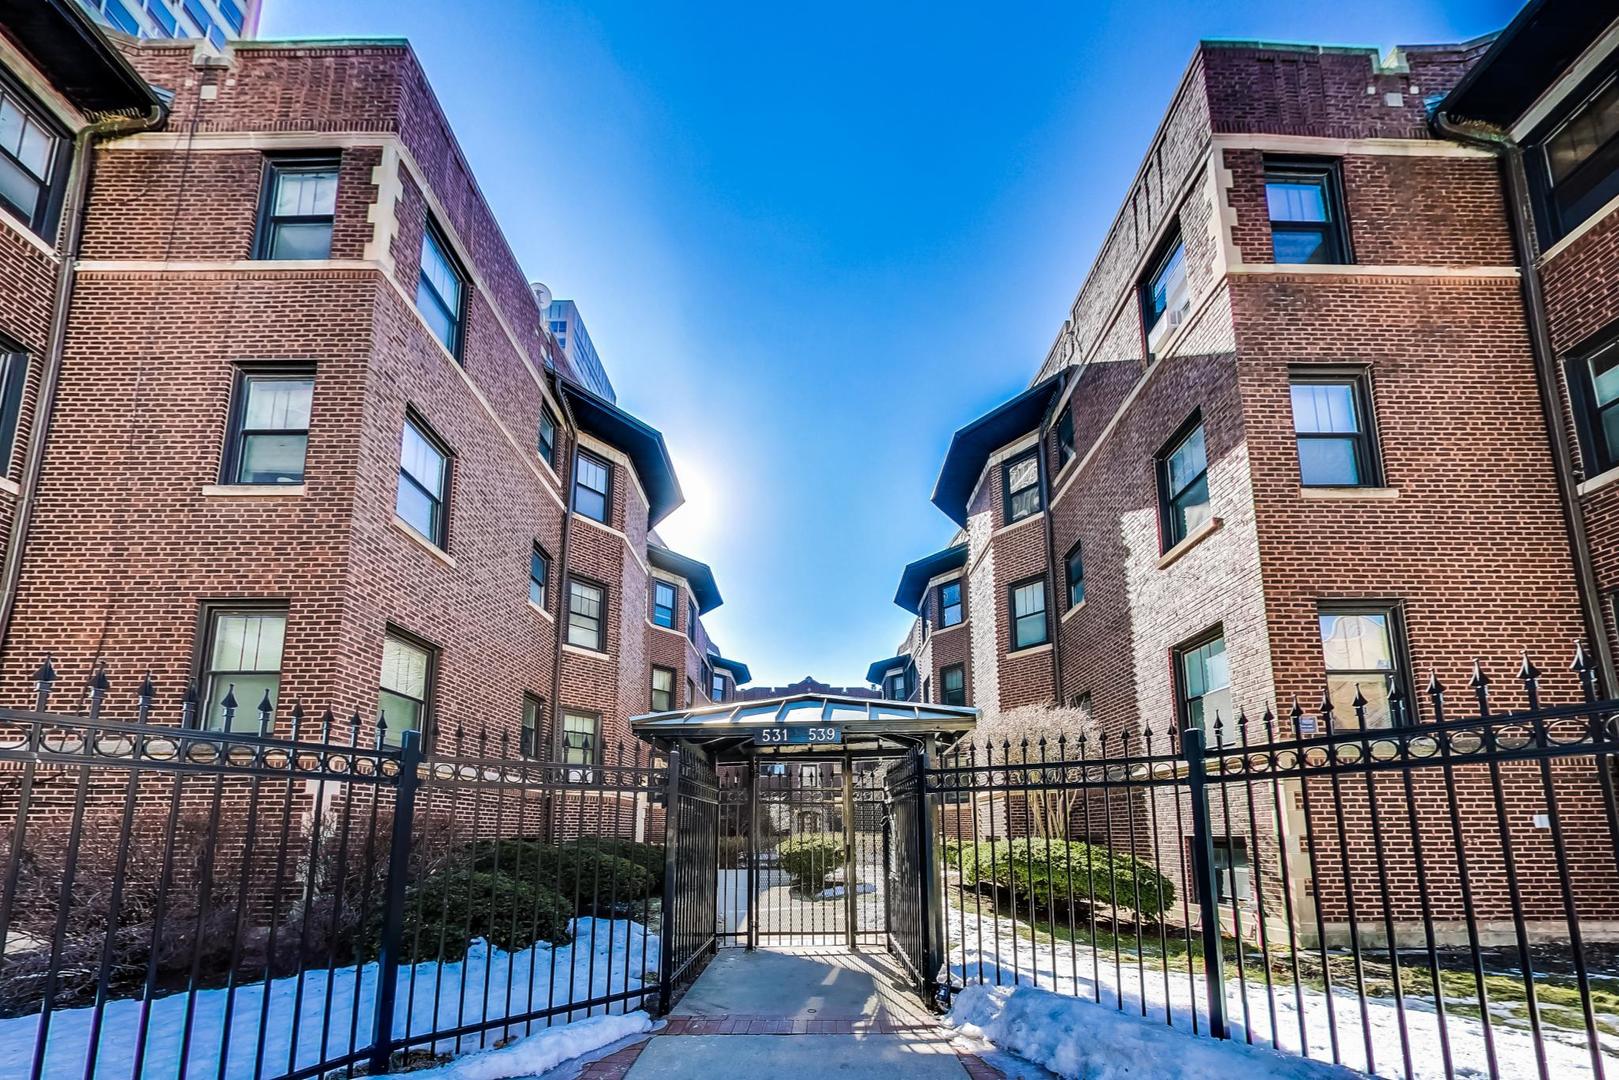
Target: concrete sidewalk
815,1012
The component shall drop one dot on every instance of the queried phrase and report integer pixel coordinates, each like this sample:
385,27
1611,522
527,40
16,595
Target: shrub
1044,870
648,857
810,858
601,881
456,907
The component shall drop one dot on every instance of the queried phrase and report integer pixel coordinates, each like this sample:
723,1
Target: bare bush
1067,731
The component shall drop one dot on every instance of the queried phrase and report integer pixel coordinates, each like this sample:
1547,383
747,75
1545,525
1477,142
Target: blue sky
812,240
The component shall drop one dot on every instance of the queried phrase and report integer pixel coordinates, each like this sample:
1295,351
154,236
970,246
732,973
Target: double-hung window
1028,605
717,683
32,161
424,479
299,206
587,615
269,432
1574,165
1203,679
950,603
440,289
1183,484
663,604
894,684
547,441
1331,422
1166,296
243,658
1074,571
592,483
691,618
1231,869
1065,436
1593,388
407,678
13,377
539,578
528,736
1020,481
579,738
1361,647
953,685
1305,201
663,689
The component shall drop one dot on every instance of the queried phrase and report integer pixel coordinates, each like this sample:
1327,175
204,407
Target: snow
605,956
1089,975
835,891
1075,1038
543,1050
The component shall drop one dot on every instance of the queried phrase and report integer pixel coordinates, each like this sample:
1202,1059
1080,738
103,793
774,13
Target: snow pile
606,956
543,1050
1080,1039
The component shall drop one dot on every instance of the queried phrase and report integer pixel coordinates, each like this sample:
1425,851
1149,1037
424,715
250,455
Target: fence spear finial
145,694
227,705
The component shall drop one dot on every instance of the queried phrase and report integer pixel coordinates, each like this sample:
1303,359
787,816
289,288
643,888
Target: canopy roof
867,724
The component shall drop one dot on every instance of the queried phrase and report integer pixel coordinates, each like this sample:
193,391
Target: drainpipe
562,564
73,209
1048,529
1521,214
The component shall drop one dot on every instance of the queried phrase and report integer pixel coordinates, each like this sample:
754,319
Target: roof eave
61,39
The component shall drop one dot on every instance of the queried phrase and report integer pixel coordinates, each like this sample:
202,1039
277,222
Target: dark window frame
716,685
544,581
1368,455
236,431
1167,537
14,368
441,517
580,770
267,221
429,701
1595,453
1075,554
1066,451
606,494
44,219
547,446
1178,654
1012,614
899,692
672,607
1328,172
601,619
691,619
1399,647
458,317
960,605
208,612
528,745
1162,256
653,687
1007,513
1554,221
944,684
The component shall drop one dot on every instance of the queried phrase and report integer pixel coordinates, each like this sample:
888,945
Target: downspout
73,210
562,564
1049,530
1521,214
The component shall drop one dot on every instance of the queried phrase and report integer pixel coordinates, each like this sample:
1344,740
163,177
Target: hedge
1044,869
457,907
810,858
598,879
648,857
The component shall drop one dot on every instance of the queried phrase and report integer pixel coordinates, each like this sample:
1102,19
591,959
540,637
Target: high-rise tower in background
569,329
217,20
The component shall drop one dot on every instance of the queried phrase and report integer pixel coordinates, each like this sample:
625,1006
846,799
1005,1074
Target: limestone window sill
9,486
1349,493
1075,610
423,542
1598,482
1030,650
1190,541
252,491
542,611
580,650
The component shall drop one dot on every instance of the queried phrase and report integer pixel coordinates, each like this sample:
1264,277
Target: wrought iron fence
292,896
1435,898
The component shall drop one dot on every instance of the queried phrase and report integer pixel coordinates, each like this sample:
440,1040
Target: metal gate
803,853
915,930
691,821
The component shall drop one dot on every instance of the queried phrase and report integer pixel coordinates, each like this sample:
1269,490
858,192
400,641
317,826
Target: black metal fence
291,901
1431,899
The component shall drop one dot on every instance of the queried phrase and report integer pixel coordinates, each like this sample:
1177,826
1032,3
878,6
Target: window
548,436
663,689
13,377
407,674
243,658
1306,211
1593,390
1361,648
717,682
159,10
539,578
1578,168
579,731
232,15
32,161
1065,437
120,18
300,202
1029,613
663,604
927,689
1204,679
424,473
587,605
1020,480
1331,423
691,692
528,737
1081,701
691,618
1075,570
1166,297
1231,869
953,685
269,429
1183,484
439,289
894,684
950,603
592,481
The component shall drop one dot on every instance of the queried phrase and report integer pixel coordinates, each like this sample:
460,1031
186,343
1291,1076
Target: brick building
306,432
1291,435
